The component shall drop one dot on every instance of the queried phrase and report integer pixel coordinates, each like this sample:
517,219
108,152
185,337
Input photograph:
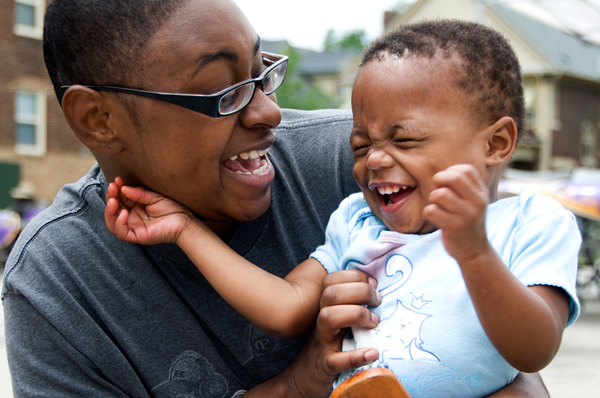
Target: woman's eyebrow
213,57
257,45
223,54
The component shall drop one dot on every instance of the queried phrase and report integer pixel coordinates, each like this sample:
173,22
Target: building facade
561,80
36,143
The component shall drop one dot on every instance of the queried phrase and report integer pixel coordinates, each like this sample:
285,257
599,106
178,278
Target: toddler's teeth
233,158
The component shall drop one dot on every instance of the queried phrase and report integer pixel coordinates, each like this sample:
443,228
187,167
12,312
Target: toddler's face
411,121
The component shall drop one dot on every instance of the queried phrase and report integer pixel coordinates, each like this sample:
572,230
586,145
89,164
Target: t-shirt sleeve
546,248
337,238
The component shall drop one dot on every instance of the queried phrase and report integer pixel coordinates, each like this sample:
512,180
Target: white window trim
40,120
36,31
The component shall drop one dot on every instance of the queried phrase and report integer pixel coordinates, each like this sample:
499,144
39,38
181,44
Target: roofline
525,42
556,69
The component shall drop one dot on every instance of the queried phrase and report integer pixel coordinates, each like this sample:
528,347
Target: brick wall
22,67
8,72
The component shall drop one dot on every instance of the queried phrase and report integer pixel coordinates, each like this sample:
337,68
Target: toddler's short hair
491,74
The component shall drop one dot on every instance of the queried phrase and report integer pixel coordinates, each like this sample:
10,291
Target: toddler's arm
525,324
281,307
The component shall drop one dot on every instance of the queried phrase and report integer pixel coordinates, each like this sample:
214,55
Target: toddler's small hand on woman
140,216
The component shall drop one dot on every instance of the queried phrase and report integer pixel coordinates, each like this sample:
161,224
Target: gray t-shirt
90,316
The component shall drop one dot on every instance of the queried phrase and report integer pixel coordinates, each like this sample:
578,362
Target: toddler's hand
140,216
457,205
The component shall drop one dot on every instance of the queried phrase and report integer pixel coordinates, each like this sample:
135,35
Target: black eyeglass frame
205,104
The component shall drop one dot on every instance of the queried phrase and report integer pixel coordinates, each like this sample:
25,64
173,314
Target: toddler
473,289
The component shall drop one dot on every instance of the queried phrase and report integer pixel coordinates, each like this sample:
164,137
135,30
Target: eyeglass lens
239,98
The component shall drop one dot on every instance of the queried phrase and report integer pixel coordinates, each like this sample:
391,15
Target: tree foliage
353,40
296,92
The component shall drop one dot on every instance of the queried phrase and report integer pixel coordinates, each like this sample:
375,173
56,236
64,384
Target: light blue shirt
429,333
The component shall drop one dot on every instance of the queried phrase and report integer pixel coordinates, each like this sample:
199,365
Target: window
29,18
30,123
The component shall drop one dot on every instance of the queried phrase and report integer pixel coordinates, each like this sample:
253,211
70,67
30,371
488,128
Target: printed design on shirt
398,335
260,342
191,376
401,335
419,302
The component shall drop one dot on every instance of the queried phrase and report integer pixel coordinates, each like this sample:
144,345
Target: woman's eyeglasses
226,102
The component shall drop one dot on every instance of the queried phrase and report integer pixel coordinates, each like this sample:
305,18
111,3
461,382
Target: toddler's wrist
477,254
191,232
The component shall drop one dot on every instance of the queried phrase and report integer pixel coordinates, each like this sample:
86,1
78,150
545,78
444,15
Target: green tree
296,92
353,40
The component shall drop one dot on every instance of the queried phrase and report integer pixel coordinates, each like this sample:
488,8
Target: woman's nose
262,111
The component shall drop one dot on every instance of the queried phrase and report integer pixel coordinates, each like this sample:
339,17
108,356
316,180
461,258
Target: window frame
39,120
35,31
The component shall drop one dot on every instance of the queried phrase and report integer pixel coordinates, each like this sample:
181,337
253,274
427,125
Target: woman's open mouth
249,163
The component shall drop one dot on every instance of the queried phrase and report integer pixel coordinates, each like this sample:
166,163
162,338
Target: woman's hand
320,362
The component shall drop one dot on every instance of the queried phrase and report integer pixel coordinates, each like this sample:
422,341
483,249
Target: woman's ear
88,112
502,141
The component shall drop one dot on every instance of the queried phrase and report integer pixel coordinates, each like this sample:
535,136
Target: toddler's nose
379,159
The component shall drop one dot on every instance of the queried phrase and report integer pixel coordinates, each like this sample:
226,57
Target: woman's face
197,160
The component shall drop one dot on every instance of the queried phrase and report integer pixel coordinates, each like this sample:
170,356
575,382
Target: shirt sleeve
337,238
546,247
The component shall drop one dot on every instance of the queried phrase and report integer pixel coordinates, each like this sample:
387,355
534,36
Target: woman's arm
281,307
526,385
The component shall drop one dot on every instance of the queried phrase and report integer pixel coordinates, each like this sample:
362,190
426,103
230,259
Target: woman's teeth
250,155
252,162
263,167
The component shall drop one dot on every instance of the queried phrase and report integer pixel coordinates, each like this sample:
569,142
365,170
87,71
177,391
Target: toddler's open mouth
391,194
248,163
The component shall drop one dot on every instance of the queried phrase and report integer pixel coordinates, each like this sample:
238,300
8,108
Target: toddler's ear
87,111
502,140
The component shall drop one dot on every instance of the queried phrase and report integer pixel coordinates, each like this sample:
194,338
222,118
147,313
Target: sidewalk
575,371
